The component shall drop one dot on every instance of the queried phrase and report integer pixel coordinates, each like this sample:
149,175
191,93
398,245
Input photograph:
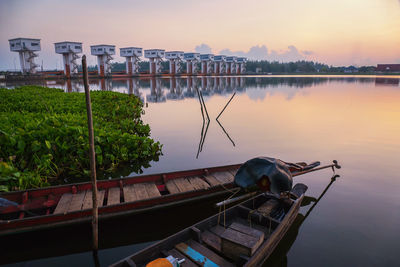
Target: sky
334,32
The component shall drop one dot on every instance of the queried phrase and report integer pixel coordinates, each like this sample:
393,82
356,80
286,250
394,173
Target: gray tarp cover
276,170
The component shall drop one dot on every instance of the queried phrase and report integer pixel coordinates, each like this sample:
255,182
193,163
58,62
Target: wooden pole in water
92,156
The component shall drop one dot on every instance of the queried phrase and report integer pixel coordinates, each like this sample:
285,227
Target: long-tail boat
244,235
69,204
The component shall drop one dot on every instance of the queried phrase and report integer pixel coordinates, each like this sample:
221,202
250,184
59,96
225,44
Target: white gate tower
104,55
241,61
219,65
69,51
175,59
231,65
132,55
26,48
206,63
191,62
155,57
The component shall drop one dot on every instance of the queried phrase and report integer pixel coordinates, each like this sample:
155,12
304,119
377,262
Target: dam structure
231,65
104,55
180,63
26,47
175,60
69,52
192,60
155,57
219,64
132,55
206,63
241,62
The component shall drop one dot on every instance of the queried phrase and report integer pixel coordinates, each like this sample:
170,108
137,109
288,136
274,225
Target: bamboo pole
92,156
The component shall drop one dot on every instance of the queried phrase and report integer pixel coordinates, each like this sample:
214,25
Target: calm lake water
355,120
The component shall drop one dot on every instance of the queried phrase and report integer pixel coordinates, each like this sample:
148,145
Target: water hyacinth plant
44,136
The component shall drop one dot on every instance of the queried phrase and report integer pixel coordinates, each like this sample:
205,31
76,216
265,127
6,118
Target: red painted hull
45,200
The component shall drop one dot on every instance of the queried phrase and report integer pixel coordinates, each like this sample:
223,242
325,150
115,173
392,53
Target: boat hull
47,200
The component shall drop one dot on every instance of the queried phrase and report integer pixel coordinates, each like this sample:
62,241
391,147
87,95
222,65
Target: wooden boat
70,204
244,235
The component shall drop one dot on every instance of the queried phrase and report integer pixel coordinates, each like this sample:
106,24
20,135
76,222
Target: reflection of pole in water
203,132
279,256
333,179
223,129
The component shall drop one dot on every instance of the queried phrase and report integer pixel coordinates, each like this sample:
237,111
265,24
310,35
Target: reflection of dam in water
161,89
158,89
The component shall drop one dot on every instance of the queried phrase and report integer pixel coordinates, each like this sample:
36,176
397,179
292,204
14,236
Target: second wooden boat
244,235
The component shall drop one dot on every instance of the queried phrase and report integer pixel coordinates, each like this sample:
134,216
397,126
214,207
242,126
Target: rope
234,192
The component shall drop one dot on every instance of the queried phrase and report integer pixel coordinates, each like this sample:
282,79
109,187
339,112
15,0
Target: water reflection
177,88
279,256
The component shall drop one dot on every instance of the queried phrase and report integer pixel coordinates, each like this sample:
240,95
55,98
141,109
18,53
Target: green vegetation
44,136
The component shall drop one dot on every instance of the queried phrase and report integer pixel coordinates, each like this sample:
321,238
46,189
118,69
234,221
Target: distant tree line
301,66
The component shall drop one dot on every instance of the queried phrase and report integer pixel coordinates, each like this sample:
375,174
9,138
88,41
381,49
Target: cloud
255,52
292,54
308,52
203,49
261,52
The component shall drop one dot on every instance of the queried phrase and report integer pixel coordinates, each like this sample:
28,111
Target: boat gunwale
103,184
102,216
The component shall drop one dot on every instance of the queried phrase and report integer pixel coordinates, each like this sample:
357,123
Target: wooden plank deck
113,196
152,190
224,177
63,204
129,193
141,191
212,180
171,187
183,185
76,201
87,202
198,183
211,240
83,200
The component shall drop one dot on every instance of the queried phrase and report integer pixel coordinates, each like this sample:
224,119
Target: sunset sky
335,32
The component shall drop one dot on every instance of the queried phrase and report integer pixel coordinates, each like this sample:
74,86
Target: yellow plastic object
162,262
